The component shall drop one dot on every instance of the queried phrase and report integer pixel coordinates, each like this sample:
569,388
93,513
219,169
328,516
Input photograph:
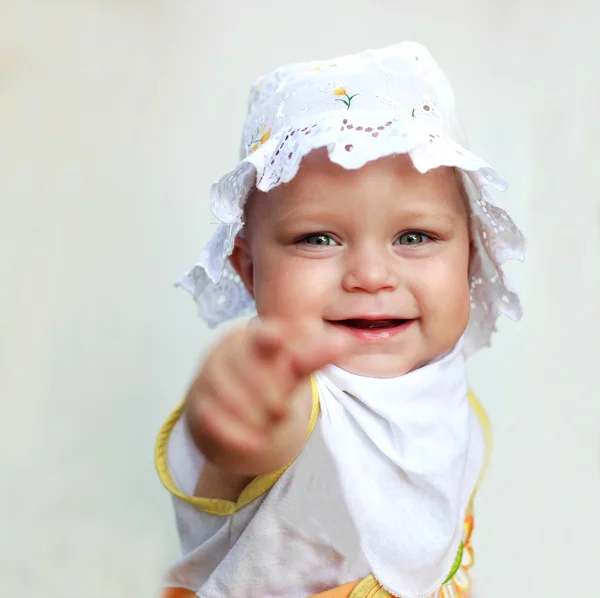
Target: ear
241,260
472,253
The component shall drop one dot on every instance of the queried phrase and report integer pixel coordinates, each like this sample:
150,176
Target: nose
370,271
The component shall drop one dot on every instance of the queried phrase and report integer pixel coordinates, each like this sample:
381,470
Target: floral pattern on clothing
458,585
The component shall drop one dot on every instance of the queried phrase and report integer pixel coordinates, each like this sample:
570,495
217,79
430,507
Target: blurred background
115,118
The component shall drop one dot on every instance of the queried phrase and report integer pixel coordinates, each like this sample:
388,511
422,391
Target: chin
380,366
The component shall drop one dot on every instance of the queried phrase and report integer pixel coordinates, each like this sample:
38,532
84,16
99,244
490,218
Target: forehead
388,184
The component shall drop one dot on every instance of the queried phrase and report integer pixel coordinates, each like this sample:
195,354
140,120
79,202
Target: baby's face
380,253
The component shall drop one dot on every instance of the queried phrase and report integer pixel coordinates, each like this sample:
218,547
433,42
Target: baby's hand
243,395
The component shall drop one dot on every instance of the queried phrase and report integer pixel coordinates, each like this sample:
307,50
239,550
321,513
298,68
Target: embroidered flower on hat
343,96
321,66
262,136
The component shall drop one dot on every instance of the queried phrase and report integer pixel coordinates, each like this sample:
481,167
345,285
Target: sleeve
179,463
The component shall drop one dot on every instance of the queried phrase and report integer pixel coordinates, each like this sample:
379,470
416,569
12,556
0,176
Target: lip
375,334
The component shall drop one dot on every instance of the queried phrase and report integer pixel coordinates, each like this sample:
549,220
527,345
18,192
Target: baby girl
332,444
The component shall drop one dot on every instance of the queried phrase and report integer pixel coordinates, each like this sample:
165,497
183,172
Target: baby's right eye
319,239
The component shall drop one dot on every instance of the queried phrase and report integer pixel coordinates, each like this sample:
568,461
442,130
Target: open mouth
373,329
365,324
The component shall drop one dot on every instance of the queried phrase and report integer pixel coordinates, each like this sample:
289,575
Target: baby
332,446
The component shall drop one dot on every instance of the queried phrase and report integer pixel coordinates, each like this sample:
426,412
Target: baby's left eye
412,238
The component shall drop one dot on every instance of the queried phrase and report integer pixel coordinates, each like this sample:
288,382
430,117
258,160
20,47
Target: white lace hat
361,107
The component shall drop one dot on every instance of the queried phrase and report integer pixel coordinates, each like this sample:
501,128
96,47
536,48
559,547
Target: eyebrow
402,214
305,214
411,214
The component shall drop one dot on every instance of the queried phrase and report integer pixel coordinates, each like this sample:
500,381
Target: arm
248,409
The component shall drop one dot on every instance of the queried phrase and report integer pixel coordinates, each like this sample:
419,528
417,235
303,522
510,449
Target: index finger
324,348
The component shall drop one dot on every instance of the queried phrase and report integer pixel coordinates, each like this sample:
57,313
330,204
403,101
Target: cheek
443,291
290,286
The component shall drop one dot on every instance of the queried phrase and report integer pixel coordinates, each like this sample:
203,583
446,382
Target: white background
115,117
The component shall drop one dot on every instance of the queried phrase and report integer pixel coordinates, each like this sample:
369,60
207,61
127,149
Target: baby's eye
412,238
319,239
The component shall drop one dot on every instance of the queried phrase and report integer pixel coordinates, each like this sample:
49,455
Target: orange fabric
178,593
339,592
